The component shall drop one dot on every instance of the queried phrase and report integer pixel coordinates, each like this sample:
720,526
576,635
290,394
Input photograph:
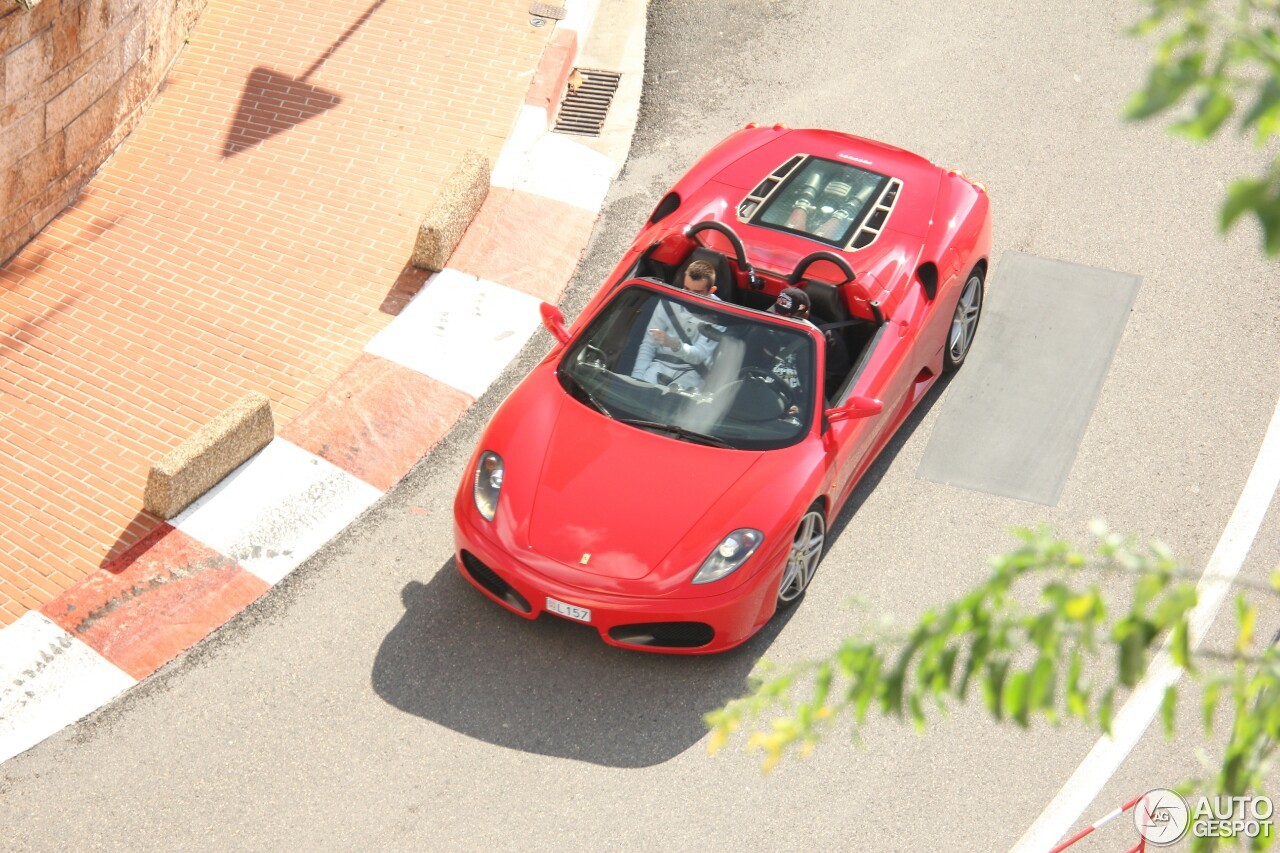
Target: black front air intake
490,580
670,635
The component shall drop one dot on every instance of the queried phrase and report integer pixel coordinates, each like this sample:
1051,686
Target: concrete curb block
552,76
218,448
455,205
269,514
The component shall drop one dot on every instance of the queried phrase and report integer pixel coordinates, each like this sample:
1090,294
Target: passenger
794,303
675,352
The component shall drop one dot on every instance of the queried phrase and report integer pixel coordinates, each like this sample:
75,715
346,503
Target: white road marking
277,509
579,15
459,329
48,679
530,125
552,165
1132,720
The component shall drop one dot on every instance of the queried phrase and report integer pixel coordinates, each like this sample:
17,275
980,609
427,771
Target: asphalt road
373,700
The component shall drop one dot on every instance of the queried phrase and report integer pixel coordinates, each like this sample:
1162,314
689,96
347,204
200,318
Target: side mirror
857,407
553,319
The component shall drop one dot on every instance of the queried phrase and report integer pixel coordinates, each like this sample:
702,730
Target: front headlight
729,555
488,483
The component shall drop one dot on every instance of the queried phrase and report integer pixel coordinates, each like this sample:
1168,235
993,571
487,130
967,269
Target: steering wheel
758,380
757,373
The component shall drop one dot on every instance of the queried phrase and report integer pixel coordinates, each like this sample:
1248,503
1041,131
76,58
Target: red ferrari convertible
667,473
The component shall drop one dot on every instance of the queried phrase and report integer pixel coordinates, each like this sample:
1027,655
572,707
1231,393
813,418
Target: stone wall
75,76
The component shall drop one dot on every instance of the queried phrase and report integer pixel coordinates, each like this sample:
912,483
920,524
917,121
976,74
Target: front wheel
802,561
964,323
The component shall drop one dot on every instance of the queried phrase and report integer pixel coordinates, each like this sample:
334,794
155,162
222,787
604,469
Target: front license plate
568,611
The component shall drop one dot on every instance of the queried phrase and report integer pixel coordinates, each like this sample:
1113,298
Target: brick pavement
253,233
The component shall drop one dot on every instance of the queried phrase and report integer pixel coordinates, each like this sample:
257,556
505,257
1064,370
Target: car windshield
678,365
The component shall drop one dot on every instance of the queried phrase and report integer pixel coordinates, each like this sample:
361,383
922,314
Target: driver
675,352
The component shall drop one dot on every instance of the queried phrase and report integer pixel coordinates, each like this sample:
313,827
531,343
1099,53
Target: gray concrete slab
1015,416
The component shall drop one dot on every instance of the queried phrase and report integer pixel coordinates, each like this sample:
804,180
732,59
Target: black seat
826,305
830,314
726,282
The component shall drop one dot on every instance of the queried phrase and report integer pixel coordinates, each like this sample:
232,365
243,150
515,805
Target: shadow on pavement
550,686
31,259
875,473
133,532
273,102
404,288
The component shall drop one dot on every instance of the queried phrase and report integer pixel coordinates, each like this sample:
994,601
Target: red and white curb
418,376
459,329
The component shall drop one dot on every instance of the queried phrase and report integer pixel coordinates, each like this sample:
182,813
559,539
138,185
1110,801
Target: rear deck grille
758,196
583,110
873,224
490,580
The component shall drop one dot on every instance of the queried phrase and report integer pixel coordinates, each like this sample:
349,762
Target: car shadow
875,473
550,686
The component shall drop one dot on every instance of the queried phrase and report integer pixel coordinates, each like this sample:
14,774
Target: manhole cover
587,101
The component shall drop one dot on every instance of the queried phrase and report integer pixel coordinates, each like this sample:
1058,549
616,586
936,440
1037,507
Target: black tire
964,323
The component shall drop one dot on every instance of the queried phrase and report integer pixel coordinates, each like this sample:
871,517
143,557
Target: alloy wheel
802,562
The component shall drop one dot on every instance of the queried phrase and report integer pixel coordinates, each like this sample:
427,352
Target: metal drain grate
547,10
584,107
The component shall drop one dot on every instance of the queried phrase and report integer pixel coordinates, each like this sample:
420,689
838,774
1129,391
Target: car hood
613,500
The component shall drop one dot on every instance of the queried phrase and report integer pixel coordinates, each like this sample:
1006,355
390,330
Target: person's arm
698,351
648,348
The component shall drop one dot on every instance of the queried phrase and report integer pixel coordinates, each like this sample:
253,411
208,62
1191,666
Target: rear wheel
964,323
802,561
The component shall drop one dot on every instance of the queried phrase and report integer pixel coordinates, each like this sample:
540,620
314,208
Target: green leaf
822,686
1180,646
977,657
1243,195
891,698
993,687
1106,708
848,660
1166,85
1209,706
1167,706
1017,697
1269,215
1132,658
1146,588
1044,678
1275,579
946,671
1265,112
1175,605
1080,607
1077,697
1214,108
868,684
1247,619
917,713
